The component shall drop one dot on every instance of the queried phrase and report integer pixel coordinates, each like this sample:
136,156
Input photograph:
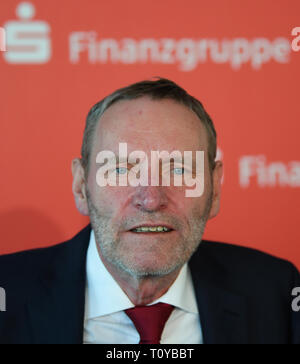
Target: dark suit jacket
243,295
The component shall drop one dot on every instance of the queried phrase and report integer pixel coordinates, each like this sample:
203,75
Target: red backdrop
235,56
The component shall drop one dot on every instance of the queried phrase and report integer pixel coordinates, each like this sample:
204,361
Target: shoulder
241,254
23,272
250,264
23,264
34,260
20,273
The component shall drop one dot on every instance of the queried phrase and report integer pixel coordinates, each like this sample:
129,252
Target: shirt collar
104,296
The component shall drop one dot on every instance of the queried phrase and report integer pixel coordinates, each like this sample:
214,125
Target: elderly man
141,272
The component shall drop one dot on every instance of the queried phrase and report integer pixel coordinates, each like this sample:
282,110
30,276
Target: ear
216,180
79,187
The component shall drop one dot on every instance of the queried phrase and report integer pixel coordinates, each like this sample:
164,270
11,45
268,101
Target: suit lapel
222,312
56,309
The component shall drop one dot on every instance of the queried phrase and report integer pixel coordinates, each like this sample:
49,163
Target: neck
140,290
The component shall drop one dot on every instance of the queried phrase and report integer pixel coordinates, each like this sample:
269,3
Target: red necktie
150,321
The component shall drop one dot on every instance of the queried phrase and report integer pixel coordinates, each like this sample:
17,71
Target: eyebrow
122,160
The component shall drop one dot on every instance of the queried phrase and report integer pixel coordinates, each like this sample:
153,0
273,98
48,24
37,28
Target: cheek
109,199
194,209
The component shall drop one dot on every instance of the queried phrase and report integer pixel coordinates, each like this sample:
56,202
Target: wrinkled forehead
146,124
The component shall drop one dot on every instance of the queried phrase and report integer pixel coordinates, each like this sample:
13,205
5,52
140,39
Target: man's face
148,125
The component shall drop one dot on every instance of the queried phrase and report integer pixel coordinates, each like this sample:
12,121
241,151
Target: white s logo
27,41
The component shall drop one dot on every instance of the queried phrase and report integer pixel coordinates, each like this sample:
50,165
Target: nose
150,198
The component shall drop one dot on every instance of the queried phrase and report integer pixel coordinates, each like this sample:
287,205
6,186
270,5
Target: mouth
151,233
147,230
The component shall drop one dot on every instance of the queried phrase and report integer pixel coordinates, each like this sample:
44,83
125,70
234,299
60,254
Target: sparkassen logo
27,40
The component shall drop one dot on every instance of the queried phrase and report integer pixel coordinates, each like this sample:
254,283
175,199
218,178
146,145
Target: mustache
142,217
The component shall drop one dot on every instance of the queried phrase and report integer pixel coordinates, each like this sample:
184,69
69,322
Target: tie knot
150,321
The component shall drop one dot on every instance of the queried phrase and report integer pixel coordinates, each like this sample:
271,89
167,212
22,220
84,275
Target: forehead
147,124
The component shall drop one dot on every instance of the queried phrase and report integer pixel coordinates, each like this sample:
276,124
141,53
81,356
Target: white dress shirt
107,323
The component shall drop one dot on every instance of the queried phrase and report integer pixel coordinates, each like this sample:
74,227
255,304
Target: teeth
145,229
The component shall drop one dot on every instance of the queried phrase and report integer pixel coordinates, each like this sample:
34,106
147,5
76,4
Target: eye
121,170
179,171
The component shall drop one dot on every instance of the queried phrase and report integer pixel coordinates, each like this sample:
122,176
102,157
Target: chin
151,268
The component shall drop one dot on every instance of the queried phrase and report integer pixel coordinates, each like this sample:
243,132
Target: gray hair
157,90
